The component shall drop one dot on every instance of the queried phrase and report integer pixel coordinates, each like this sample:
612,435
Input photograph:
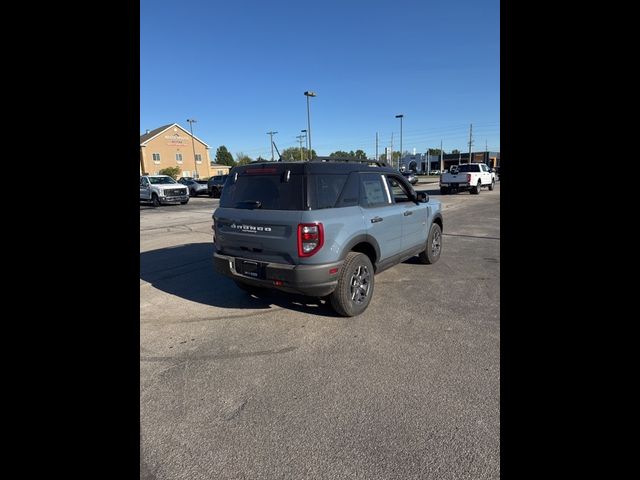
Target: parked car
411,177
468,176
434,172
196,187
162,189
215,185
321,228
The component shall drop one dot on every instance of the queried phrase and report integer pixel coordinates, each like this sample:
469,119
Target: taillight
468,178
310,238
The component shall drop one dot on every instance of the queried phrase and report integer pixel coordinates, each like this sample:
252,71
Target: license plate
251,269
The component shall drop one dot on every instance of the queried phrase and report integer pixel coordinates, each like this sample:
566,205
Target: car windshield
161,180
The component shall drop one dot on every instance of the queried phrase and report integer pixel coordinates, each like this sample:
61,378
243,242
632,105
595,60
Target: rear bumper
311,280
455,185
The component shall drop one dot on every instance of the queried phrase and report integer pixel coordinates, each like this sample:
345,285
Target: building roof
219,165
154,133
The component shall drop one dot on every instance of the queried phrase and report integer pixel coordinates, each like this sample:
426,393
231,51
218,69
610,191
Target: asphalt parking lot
238,387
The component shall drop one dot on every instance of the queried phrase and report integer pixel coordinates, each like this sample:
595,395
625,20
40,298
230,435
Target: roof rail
350,160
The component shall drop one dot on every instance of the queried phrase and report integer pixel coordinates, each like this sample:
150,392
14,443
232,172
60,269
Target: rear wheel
431,254
493,184
355,286
476,190
444,190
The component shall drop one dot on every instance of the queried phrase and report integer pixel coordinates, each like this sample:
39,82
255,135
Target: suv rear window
264,188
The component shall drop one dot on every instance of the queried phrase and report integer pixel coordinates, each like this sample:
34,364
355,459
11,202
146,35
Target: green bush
173,172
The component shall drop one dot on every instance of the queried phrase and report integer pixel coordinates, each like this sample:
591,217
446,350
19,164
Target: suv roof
323,165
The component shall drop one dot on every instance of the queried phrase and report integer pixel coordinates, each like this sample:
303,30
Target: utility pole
470,140
193,143
271,134
391,163
300,137
377,147
486,158
441,157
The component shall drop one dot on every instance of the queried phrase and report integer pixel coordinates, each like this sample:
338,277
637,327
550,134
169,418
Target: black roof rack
350,160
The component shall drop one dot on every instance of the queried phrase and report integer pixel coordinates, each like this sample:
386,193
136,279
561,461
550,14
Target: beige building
171,146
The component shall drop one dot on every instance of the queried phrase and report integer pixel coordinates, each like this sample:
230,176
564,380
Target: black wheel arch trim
361,238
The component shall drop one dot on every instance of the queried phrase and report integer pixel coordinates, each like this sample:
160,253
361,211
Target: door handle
376,219
408,212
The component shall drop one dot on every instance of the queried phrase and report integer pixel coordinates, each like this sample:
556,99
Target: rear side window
333,190
265,188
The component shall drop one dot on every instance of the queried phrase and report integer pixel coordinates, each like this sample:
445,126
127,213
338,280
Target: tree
455,150
223,157
243,159
292,154
360,154
340,153
433,151
173,172
396,156
260,159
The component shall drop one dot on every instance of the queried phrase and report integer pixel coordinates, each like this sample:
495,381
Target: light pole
193,142
401,116
271,134
309,94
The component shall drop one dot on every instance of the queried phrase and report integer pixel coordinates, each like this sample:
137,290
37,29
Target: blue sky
240,68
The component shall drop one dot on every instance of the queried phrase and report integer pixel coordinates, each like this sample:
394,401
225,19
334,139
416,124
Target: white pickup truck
468,176
162,189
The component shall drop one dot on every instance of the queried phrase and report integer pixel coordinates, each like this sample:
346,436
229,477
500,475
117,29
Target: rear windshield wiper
249,204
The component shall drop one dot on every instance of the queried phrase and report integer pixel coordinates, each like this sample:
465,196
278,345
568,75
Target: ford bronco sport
321,228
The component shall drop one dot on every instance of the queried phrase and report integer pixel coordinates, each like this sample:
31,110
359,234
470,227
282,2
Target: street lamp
309,94
400,157
193,142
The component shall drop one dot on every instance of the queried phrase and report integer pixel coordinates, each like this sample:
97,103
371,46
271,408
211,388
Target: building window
156,157
220,172
179,157
198,158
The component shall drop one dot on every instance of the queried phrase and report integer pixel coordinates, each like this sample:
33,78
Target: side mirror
422,197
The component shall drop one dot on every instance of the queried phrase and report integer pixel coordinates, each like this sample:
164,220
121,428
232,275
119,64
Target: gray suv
321,228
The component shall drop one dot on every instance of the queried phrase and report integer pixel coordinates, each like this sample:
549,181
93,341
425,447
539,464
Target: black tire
250,289
216,193
185,202
431,253
476,190
444,190
155,200
192,192
210,193
493,184
355,286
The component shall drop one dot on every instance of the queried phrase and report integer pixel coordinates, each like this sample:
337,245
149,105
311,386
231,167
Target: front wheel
185,202
444,190
431,254
155,200
355,286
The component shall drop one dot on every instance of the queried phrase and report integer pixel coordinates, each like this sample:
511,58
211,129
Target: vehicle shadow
187,271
